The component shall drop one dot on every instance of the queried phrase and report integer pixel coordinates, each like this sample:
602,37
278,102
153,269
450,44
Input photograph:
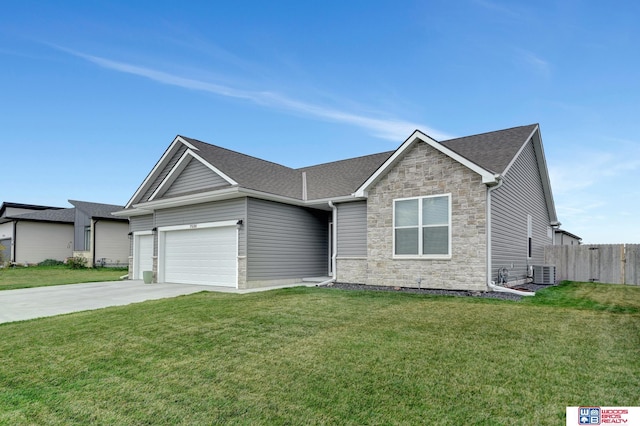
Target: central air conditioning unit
544,274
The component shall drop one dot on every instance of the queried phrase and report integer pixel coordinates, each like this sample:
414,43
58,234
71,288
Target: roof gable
191,173
419,137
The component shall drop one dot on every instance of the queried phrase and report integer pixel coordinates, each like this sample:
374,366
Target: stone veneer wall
426,171
351,270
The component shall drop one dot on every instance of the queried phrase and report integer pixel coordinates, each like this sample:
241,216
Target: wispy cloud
390,129
535,62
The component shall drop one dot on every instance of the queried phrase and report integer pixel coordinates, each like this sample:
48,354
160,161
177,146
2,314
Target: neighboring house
99,236
31,234
45,233
430,214
565,238
6,225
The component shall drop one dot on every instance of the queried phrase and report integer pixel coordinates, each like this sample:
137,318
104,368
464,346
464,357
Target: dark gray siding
285,241
520,195
235,209
194,177
163,174
81,220
352,229
141,223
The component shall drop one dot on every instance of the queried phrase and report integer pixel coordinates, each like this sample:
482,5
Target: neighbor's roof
8,204
98,210
53,215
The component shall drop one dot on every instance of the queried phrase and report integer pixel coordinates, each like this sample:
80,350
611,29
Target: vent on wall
544,274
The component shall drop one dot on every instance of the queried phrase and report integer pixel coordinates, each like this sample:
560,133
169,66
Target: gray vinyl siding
352,229
82,220
520,195
163,174
285,241
218,211
141,223
194,177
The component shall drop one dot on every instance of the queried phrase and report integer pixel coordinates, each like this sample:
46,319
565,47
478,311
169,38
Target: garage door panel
201,256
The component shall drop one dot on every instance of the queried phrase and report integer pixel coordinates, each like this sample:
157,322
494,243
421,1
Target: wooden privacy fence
603,263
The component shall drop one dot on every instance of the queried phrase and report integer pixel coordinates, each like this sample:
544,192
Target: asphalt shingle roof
492,151
98,210
53,215
341,177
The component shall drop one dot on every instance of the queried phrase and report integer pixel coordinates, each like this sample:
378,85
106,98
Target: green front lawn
40,276
323,356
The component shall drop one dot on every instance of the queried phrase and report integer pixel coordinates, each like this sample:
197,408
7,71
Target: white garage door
201,256
143,255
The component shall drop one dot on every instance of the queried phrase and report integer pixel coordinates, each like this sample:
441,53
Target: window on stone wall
422,227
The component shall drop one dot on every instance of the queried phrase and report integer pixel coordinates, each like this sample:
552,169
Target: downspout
13,242
93,241
490,283
334,244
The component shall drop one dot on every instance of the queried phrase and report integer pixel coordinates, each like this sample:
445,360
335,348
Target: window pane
407,241
435,211
435,240
406,213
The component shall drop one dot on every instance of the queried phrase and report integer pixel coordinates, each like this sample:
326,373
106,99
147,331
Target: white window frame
420,227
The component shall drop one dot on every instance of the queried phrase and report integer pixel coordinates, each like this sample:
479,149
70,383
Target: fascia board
488,177
544,174
156,169
132,212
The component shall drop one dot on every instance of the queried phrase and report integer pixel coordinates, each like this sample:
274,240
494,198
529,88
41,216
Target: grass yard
323,356
40,276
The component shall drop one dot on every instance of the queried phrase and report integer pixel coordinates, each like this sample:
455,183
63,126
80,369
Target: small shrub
77,262
50,262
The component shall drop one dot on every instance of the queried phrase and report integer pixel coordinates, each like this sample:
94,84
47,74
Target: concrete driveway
28,303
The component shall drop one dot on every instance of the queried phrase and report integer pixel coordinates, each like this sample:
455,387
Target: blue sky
93,92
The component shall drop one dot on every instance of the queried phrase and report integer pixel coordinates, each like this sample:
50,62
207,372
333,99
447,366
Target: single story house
432,214
39,235
6,225
566,238
99,236
31,234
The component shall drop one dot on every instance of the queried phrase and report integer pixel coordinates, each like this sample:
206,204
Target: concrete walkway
29,303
